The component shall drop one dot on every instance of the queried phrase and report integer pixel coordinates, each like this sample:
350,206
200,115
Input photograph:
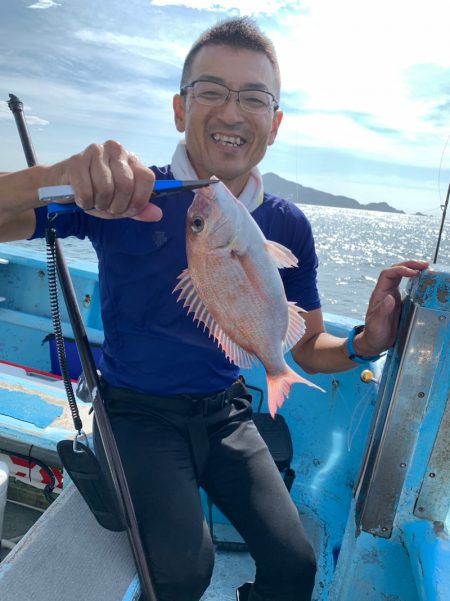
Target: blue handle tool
52,194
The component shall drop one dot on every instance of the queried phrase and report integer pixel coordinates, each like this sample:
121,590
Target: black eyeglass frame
183,90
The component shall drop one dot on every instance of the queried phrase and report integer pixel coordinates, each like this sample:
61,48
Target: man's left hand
384,307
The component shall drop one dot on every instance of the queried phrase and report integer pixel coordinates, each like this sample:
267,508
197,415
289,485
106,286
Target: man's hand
109,182
384,307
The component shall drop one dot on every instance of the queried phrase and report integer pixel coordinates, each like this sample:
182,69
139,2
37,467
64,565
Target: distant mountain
274,184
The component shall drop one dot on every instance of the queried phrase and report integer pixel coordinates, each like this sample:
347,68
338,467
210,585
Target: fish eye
197,224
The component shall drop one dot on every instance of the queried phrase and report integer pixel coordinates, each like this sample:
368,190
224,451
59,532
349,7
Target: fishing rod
444,213
114,463
16,107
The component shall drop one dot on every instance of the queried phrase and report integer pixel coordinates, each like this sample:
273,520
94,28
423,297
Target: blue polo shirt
151,344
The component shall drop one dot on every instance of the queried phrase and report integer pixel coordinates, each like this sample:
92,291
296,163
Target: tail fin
279,386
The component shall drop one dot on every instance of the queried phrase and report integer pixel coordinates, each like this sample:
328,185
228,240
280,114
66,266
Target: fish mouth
228,141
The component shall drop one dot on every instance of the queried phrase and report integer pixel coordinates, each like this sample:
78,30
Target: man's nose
232,107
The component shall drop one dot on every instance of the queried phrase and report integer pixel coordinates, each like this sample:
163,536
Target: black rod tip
14,103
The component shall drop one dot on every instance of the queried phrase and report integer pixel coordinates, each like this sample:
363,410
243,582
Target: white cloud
33,120
99,106
329,131
6,114
348,64
43,4
158,47
355,51
242,7
339,132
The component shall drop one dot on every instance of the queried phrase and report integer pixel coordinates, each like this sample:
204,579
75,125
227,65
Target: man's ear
277,117
178,112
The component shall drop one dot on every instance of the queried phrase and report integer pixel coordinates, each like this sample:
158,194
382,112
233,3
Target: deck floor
230,571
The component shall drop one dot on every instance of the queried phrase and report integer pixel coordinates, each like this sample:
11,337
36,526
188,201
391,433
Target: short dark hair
240,33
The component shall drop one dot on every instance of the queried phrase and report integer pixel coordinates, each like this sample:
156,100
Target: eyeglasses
211,93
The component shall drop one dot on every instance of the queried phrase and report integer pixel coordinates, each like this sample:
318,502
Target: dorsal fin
282,256
194,303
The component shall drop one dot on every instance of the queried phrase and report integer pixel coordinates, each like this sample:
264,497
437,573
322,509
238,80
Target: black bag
277,437
86,473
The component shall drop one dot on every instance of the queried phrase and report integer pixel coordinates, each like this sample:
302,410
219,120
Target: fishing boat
366,462
370,457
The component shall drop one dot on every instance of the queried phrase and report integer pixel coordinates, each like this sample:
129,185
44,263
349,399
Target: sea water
353,247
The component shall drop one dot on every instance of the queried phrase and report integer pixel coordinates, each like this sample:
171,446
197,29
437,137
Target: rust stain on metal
439,530
426,282
443,292
429,282
371,557
441,452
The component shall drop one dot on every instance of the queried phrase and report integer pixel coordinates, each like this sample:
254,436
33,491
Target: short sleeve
300,282
283,222
67,224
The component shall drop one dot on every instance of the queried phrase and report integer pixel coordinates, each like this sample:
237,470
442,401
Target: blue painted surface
432,289
32,411
25,313
29,408
133,592
24,281
428,546
32,436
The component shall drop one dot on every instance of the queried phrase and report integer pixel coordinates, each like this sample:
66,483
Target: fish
233,287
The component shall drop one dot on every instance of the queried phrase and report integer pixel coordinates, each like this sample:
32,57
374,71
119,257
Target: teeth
233,140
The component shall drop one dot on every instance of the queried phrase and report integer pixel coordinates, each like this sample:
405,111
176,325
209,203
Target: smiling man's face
227,141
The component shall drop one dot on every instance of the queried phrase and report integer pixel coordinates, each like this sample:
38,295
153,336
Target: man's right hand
108,182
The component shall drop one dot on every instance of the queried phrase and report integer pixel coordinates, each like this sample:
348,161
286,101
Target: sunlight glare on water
355,245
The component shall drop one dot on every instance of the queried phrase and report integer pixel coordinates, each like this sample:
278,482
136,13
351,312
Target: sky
365,86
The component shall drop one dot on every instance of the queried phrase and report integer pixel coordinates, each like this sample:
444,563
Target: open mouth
230,141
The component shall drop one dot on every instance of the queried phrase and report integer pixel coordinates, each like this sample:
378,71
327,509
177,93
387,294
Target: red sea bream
233,287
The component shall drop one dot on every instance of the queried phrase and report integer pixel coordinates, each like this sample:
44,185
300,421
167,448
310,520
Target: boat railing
402,496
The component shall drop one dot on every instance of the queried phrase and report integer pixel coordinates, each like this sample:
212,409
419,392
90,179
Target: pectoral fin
282,256
296,327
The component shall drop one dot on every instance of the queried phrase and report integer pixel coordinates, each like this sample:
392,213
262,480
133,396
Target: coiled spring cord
50,236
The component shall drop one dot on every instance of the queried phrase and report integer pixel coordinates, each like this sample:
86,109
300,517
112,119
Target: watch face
358,329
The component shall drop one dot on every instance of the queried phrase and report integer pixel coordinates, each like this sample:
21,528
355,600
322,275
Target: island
274,184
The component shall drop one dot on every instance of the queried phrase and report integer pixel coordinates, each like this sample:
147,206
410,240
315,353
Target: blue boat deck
371,459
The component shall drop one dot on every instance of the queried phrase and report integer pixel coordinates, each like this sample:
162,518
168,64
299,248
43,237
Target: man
160,370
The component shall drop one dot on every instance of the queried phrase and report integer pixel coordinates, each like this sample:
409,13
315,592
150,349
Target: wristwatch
351,350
